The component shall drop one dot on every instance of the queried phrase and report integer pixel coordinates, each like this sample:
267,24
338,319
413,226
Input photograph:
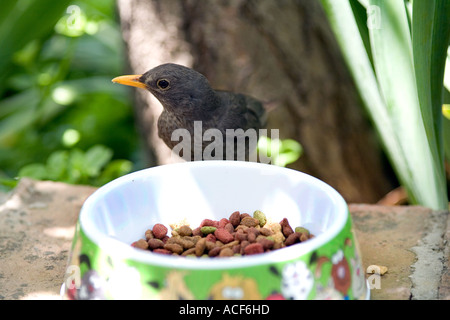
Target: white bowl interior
125,208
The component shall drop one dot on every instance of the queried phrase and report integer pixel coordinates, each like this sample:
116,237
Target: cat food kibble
239,235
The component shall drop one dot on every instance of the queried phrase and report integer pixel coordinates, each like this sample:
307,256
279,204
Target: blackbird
190,103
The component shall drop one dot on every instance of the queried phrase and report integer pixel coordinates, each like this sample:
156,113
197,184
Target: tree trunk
281,52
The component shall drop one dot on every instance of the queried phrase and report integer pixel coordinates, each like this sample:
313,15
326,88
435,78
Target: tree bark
281,52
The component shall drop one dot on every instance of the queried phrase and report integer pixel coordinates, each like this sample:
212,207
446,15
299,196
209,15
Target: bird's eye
163,84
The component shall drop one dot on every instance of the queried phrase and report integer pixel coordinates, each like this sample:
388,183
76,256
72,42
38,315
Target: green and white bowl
103,264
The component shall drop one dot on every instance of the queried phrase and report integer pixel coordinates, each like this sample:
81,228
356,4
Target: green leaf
35,171
394,65
345,27
57,165
389,91
362,19
446,131
95,159
8,184
23,21
430,39
5,8
446,124
76,168
447,71
113,170
430,43
290,151
17,113
281,152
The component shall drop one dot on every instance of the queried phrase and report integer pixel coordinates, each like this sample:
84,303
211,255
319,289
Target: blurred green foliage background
61,118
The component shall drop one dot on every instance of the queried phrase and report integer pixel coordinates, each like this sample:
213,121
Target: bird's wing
256,108
242,112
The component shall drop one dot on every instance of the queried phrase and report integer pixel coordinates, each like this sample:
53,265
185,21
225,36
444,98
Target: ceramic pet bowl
104,265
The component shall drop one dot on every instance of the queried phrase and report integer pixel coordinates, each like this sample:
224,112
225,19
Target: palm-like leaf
399,75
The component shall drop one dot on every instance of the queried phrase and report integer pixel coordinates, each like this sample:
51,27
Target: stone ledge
37,224
38,218
412,242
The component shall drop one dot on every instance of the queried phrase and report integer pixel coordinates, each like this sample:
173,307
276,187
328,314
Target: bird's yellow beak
131,80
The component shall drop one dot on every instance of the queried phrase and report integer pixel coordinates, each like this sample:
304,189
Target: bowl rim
120,250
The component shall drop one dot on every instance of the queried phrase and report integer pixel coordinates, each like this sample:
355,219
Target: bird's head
179,89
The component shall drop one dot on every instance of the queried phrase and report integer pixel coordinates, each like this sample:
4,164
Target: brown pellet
141,244
292,238
174,247
286,228
149,234
226,252
249,221
200,247
188,252
235,218
265,231
214,251
185,231
155,244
